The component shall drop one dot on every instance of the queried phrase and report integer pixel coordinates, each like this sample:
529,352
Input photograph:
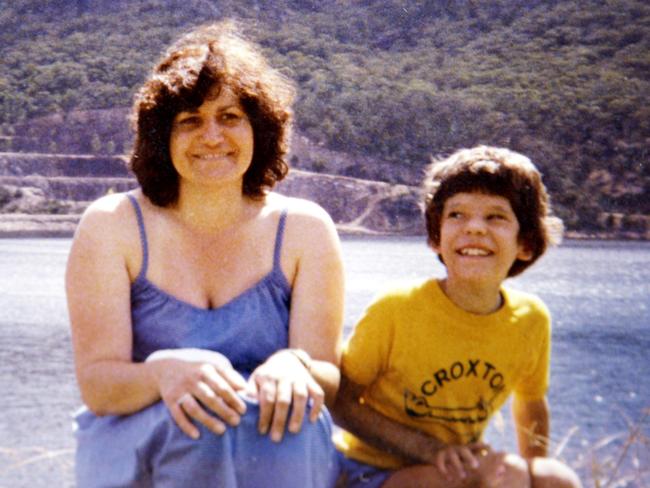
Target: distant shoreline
42,226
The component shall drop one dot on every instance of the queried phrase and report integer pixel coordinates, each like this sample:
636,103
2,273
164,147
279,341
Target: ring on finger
182,399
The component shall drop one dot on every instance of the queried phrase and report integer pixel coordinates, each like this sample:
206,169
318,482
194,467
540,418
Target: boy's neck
476,298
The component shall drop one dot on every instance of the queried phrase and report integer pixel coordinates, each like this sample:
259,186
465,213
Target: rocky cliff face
358,205
44,194
108,131
361,194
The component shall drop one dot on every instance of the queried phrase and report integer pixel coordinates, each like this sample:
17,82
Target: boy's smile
479,240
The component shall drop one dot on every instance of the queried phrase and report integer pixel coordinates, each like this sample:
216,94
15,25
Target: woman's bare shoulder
308,226
299,208
107,217
108,205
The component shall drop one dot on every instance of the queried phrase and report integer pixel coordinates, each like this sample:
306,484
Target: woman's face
212,145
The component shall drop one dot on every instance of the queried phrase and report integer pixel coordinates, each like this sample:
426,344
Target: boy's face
479,238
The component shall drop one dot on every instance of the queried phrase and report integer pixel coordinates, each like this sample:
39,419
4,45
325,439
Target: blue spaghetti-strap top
146,449
247,329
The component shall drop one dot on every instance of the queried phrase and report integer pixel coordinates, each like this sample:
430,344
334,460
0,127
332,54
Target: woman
206,311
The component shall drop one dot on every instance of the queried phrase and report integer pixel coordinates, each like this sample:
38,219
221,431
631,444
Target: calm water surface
598,293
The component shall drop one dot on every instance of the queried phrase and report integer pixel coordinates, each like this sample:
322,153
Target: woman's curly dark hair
494,171
212,55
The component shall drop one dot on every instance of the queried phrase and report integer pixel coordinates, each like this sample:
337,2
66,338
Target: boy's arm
382,432
532,424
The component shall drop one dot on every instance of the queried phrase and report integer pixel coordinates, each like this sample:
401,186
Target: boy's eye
497,217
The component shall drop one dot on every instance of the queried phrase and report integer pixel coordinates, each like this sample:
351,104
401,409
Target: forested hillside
391,81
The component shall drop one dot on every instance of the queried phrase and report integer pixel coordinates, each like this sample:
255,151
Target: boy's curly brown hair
494,171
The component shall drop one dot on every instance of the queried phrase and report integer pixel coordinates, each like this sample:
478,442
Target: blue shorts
355,474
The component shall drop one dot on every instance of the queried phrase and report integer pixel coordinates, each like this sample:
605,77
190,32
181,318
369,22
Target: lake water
598,293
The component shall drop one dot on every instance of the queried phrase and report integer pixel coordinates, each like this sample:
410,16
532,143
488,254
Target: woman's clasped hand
202,385
283,388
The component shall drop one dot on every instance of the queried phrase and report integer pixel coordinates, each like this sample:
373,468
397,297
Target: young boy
427,366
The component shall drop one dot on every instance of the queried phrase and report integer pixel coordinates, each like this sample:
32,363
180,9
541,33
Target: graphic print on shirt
475,414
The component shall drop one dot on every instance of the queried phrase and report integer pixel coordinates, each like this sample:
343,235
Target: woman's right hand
194,381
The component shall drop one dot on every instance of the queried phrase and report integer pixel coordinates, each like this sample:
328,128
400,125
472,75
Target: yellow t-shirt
432,366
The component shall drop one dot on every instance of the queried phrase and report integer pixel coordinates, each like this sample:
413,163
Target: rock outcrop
44,195
363,194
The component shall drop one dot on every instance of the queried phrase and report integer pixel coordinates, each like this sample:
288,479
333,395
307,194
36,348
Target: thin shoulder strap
143,235
278,240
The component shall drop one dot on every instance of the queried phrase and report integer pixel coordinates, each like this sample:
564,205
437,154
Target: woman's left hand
283,384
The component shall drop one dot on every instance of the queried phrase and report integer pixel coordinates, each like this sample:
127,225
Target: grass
620,460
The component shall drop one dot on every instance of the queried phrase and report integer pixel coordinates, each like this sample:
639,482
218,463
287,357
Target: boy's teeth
473,252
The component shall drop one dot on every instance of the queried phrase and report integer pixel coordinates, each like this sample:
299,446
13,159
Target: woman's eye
230,117
454,215
189,121
496,217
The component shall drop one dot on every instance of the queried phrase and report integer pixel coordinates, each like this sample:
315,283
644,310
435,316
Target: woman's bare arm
100,268
97,287
315,324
